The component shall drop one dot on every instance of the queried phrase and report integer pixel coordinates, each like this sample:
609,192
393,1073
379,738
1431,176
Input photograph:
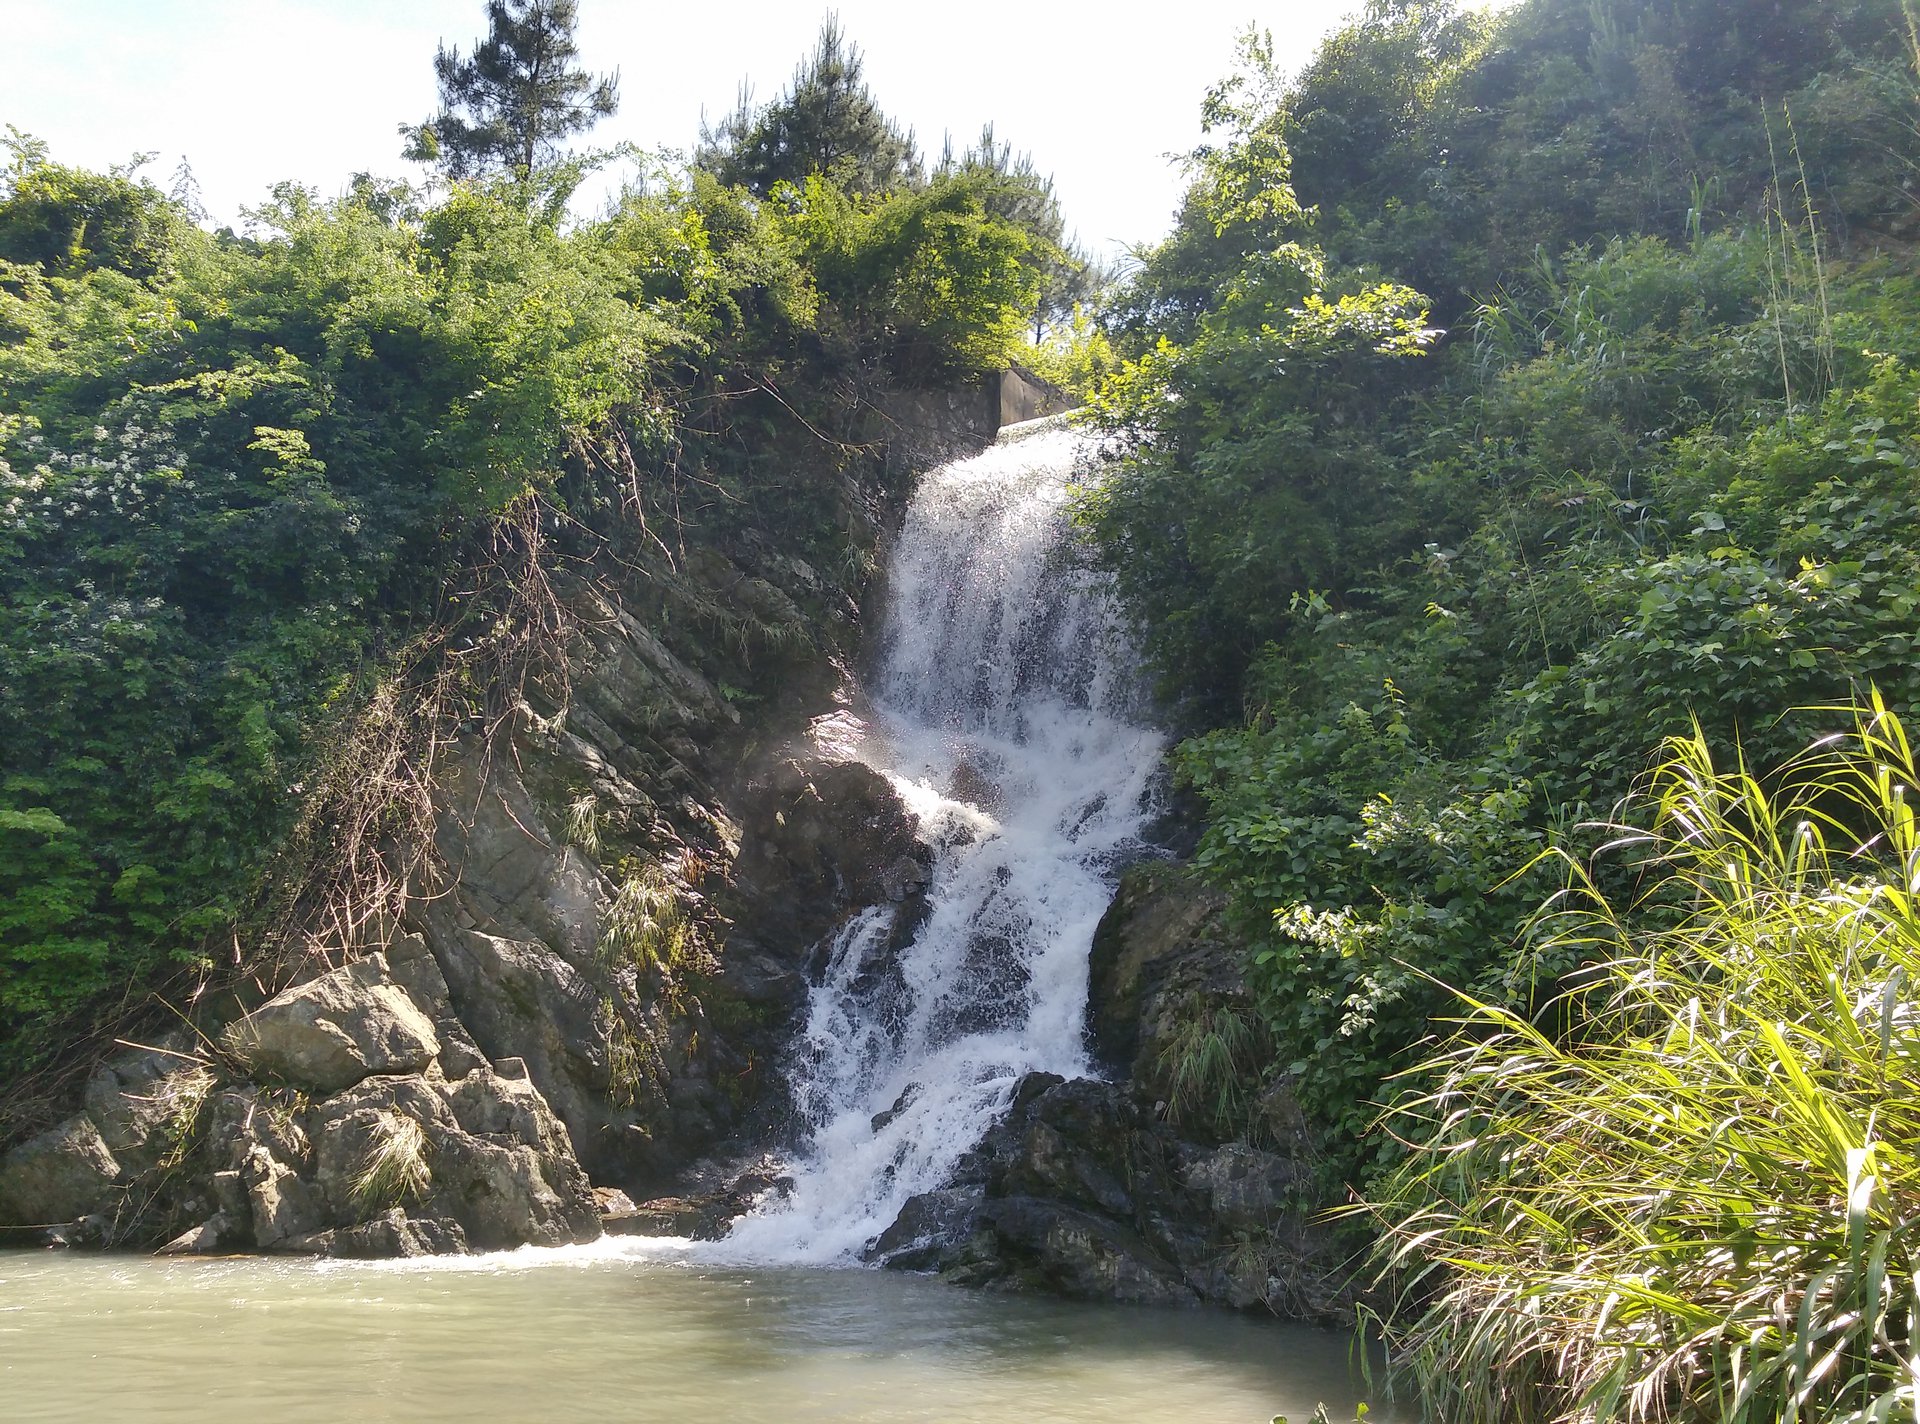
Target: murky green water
607,1334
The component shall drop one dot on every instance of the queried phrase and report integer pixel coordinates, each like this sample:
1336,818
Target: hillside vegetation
1514,394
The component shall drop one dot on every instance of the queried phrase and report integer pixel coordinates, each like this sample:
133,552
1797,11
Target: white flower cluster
114,472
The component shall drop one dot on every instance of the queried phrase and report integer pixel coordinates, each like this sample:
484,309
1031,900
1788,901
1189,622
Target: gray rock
1079,1191
524,1000
229,1190
517,877
146,1104
393,1234
492,1104
415,970
1042,1245
1246,1190
351,1127
498,1161
281,1204
243,1118
64,1174
217,1233
507,1194
332,1031
930,1229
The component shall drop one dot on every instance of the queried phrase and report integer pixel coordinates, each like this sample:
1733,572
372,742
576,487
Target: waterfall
1005,709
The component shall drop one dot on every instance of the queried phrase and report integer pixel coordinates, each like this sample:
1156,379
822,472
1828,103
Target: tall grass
1700,1201
1211,1064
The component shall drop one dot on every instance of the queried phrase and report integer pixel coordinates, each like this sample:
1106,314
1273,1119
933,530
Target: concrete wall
1026,396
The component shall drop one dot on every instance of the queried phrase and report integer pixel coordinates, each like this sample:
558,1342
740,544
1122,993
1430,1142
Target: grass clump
1699,1202
647,924
1210,1065
393,1170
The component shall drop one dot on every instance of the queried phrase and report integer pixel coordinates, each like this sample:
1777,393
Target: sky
251,92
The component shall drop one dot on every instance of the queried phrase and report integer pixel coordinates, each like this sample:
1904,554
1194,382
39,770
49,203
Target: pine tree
509,106
827,122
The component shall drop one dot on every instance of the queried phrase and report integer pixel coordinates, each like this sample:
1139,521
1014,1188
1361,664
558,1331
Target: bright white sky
253,91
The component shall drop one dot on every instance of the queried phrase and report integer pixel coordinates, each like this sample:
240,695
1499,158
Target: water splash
1006,711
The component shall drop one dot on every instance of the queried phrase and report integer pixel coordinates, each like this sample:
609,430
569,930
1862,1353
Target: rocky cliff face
599,962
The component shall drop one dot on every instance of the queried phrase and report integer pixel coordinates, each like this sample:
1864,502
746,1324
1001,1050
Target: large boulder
486,1153
330,1032
60,1176
1083,1190
1161,950
821,839
525,1000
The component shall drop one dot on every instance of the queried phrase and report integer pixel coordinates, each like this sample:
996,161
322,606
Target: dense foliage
239,476
1557,422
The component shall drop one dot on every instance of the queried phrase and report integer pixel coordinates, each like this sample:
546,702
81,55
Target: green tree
827,122
69,221
509,106
1015,191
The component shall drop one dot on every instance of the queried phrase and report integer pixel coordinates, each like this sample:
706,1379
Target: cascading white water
1005,709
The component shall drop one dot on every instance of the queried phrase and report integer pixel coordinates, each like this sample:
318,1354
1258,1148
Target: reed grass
394,1169
1701,1201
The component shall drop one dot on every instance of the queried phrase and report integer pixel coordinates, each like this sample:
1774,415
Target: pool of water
617,1331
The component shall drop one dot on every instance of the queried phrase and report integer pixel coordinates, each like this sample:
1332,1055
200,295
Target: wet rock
64,1174
821,839
280,1203
717,1194
217,1233
395,1234
906,1100
1043,1245
929,1230
613,1205
678,1217
1078,1145
971,785
1081,1190
89,1233
1161,946
332,1031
